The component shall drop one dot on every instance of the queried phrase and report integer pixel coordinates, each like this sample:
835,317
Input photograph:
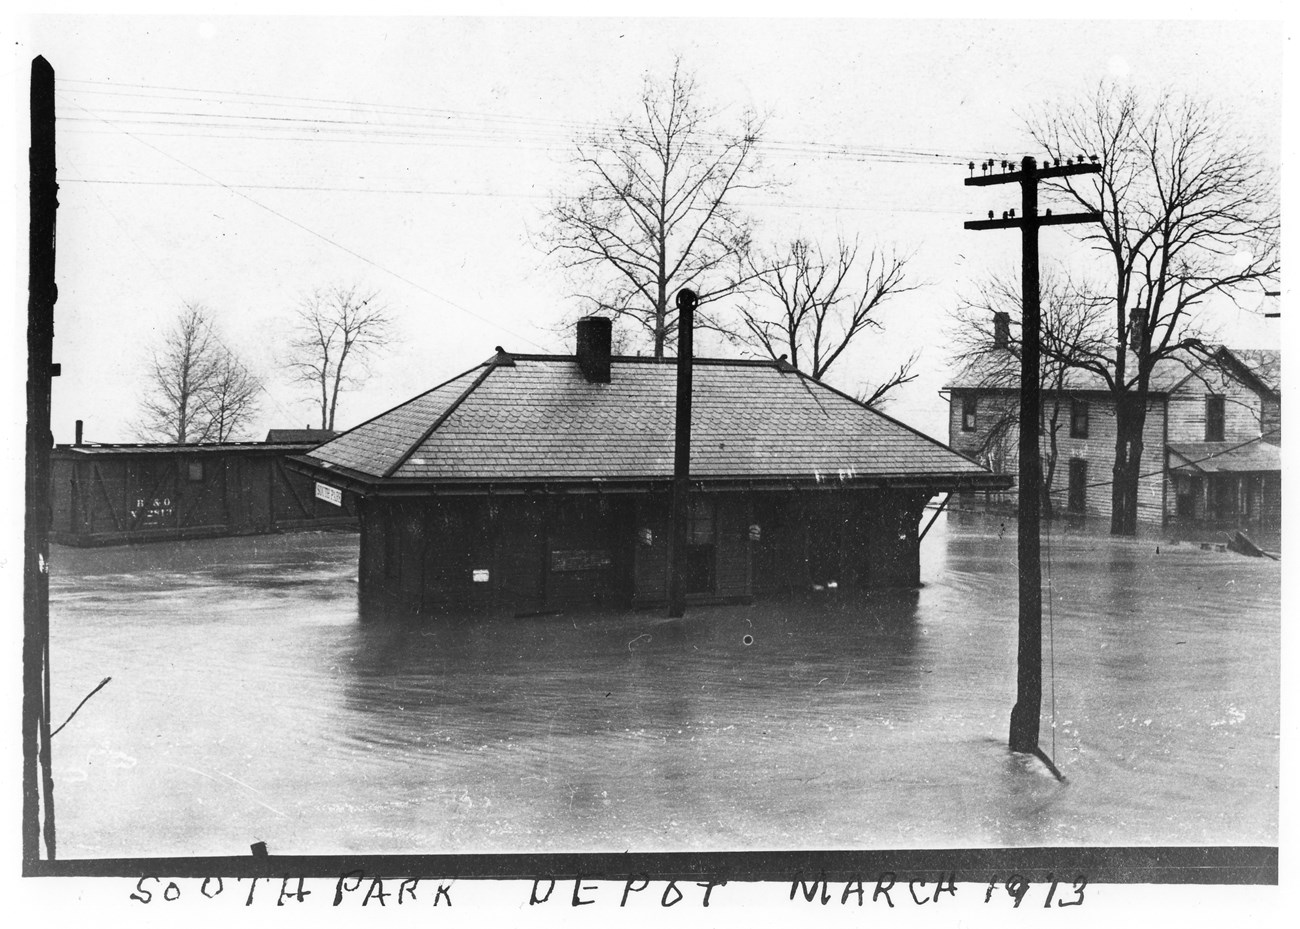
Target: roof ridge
397,406
668,361
488,367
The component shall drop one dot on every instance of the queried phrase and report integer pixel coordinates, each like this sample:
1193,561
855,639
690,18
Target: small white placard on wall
329,494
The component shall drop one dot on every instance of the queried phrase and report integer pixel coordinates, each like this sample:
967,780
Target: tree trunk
1130,419
1049,459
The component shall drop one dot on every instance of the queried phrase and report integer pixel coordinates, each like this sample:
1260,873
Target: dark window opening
1214,419
701,547
1222,493
967,414
1189,496
1079,419
1077,495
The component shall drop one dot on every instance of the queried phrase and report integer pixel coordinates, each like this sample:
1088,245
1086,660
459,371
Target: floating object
1240,543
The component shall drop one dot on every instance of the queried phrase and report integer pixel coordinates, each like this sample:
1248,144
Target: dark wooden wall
538,553
119,497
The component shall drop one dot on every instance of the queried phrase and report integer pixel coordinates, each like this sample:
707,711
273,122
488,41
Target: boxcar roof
102,449
537,419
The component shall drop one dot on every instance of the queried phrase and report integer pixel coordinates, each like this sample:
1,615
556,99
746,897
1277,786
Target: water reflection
248,699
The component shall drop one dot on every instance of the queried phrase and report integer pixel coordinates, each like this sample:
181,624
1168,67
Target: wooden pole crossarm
1015,177
1019,221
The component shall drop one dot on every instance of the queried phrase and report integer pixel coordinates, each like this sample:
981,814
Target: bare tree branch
810,306
336,331
655,215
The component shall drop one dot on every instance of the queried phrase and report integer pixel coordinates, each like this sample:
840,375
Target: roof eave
370,485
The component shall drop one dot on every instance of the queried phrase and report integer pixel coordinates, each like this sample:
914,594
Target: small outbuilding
535,482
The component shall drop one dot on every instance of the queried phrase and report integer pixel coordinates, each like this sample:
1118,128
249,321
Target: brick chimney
1001,330
594,333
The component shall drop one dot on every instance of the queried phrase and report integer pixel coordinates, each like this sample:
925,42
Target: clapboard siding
1243,413
1098,449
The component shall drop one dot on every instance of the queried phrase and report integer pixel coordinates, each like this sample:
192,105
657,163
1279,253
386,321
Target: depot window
967,414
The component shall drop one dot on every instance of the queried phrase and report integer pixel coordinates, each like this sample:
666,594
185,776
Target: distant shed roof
315,436
537,419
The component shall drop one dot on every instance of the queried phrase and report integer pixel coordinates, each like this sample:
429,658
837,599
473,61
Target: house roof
1264,363
992,372
536,418
1209,457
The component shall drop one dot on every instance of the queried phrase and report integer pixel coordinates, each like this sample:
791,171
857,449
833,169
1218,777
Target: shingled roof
537,419
1002,371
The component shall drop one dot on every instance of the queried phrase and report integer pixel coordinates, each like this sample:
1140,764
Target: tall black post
686,300
38,783
1029,651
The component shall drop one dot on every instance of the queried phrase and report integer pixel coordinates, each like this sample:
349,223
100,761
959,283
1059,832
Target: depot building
533,483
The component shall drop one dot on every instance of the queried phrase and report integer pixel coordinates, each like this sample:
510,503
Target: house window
967,414
1077,495
196,470
1079,419
1214,419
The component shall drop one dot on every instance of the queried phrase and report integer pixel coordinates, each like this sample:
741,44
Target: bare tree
1189,212
1073,327
198,390
656,214
809,306
231,399
336,330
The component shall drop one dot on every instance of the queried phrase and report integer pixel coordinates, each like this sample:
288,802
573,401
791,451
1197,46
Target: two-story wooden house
1212,438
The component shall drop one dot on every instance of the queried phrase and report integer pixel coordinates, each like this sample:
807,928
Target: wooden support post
680,506
38,781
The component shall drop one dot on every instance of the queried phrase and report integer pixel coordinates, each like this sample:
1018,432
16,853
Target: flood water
248,703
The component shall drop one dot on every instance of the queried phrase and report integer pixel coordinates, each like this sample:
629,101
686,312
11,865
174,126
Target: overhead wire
165,279
319,235
416,191
551,128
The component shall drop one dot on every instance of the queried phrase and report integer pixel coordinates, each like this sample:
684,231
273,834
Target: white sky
457,134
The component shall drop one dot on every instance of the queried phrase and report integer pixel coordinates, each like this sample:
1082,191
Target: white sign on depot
329,494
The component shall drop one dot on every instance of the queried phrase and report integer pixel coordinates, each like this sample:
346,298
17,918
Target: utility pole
1029,653
38,782
680,511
